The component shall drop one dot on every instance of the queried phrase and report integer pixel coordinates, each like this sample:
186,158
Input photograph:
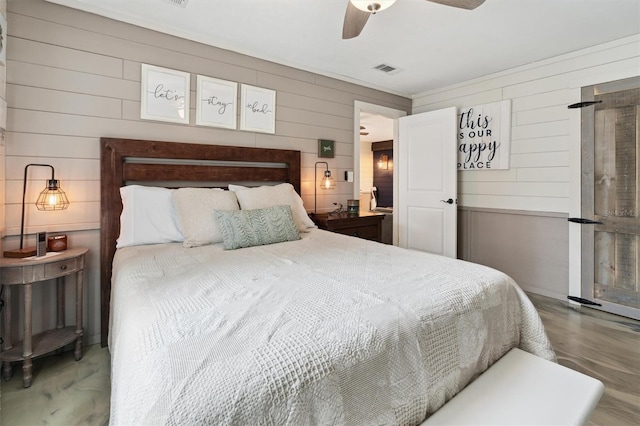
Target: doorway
374,130
611,196
367,115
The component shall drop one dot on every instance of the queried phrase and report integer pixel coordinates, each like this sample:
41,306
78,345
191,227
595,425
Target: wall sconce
383,162
52,197
325,183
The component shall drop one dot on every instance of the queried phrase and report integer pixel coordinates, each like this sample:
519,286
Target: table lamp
52,197
325,183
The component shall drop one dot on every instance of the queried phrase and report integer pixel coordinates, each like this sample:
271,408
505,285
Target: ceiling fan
358,12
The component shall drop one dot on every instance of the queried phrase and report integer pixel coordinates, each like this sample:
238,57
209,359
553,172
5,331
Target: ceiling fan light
372,6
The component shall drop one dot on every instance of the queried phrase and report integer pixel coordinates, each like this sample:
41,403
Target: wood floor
607,347
600,345
63,392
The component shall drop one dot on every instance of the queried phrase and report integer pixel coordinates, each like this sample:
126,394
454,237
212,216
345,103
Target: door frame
394,114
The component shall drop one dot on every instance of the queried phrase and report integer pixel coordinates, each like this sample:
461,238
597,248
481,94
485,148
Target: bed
320,329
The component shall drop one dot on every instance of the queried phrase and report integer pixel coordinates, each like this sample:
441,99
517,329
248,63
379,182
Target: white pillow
148,217
270,196
196,207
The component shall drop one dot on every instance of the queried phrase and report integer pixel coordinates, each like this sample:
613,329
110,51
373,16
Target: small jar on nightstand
25,272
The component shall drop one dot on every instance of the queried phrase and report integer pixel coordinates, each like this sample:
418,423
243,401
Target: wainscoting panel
531,247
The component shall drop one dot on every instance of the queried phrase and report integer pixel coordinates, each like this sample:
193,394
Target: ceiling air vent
181,3
388,69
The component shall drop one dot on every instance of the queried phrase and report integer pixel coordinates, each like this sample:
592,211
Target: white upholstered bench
523,389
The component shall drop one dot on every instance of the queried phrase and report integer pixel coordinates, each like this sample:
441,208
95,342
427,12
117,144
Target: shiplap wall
3,125
73,77
516,220
539,177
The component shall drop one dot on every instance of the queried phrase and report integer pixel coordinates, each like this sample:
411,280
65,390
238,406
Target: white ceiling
379,128
433,45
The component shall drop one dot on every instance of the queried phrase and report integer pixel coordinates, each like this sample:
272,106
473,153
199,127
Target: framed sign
484,136
216,102
326,148
164,94
258,109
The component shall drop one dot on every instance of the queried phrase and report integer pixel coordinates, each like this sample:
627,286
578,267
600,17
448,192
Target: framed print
258,110
216,102
164,95
326,148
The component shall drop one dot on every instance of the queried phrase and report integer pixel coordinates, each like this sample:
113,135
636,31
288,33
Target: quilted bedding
325,330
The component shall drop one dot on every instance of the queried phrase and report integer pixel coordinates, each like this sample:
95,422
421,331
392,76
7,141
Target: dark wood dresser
364,225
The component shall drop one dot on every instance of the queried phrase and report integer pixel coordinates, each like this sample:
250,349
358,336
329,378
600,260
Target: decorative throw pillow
148,216
269,196
195,208
248,228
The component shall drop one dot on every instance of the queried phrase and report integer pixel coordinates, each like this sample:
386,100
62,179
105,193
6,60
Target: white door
427,182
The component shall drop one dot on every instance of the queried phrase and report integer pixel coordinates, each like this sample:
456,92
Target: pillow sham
258,227
195,208
148,217
269,196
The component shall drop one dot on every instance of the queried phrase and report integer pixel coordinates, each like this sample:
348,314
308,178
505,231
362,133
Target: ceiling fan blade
462,4
354,20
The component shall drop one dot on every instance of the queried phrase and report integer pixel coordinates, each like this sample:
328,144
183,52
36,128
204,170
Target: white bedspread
326,330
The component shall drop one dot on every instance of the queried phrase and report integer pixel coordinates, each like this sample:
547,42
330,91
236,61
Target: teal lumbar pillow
248,228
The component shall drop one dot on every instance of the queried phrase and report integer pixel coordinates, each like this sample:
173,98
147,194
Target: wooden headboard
127,161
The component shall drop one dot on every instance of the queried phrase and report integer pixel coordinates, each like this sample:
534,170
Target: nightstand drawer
61,268
363,225
13,276
366,232
53,265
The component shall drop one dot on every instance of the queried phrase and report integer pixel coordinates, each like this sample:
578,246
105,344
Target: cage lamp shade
327,181
52,197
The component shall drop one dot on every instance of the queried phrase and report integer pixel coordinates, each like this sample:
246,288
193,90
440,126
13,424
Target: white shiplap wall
541,133
515,220
73,77
3,125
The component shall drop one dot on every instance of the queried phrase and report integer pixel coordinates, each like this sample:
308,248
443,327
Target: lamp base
20,253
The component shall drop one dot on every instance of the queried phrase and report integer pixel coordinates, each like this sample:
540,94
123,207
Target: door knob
449,201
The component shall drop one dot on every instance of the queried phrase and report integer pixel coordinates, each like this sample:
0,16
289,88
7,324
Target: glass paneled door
611,196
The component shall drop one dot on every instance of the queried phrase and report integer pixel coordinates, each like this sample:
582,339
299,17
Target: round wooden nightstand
25,272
